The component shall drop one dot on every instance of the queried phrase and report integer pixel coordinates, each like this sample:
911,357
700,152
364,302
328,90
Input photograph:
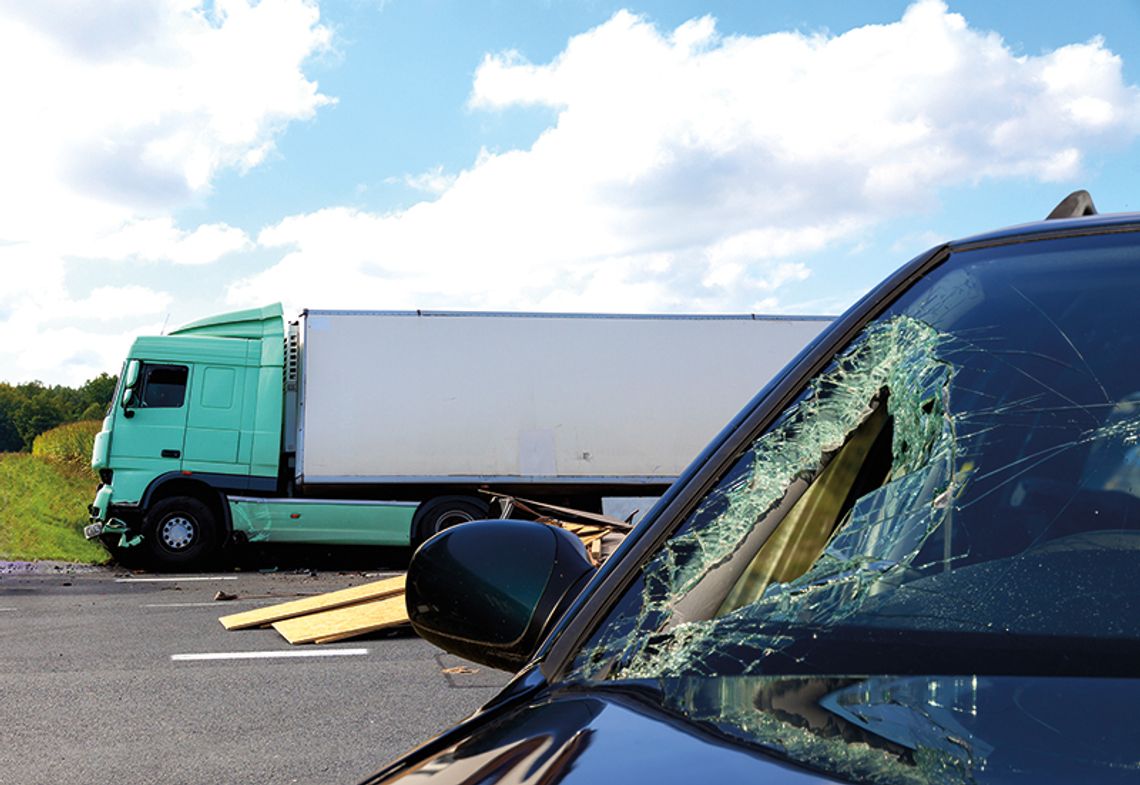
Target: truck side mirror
489,591
125,402
130,380
131,377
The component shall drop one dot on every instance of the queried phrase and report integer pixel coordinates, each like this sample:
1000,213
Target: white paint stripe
219,604
267,655
7,609
177,580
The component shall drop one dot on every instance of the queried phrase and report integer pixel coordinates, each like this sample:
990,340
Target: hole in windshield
957,492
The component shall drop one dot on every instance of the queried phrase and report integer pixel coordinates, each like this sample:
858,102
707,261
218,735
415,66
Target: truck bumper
103,526
106,532
99,508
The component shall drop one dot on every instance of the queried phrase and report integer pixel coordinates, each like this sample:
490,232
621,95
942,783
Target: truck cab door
150,427
214,425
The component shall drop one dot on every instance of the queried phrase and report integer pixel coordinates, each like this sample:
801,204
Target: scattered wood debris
601,534
342,623
380,605
261,617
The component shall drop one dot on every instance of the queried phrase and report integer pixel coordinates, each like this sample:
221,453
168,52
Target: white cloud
52,336
115,114
689,170
159,239
143,116
433,181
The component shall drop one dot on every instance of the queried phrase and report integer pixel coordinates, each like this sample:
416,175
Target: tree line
29,409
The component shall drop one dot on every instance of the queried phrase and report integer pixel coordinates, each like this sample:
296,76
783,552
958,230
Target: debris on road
343,623
263,617
379,605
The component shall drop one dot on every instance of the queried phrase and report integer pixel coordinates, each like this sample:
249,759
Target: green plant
68,444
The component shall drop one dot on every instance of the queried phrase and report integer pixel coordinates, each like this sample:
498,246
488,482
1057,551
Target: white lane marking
177,580
267,655
219,604
7,609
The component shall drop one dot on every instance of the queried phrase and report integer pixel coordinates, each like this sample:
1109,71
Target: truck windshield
957,492
116,397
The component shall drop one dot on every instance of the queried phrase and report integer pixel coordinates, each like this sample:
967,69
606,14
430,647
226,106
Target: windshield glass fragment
969,465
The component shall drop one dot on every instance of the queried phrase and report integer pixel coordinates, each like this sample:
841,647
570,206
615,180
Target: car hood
800,730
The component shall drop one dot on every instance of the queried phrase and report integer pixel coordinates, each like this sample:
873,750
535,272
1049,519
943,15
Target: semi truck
382,427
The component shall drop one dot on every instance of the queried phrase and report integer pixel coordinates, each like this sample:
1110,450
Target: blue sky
169,160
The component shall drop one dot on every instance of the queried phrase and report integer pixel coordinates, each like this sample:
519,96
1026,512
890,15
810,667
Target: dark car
913,558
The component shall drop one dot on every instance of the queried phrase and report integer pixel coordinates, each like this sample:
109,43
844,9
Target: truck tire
435,515
179,533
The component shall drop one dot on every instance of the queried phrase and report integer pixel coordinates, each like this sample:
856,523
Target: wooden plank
260,617
608,521
345,622
353,633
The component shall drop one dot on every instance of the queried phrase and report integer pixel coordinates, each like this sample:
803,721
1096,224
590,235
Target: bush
68,444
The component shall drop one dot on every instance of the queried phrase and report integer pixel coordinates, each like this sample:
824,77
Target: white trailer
585,403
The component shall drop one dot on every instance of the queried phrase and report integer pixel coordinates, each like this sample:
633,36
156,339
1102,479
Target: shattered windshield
957,492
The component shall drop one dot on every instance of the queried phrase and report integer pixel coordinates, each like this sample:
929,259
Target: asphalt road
90,690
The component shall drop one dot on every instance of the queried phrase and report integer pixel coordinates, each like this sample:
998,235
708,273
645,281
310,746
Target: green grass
44,498
69,444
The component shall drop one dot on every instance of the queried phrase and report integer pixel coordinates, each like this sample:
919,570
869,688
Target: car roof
1081,225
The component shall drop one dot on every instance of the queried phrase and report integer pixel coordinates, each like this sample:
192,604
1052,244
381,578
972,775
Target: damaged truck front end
887,564
108,520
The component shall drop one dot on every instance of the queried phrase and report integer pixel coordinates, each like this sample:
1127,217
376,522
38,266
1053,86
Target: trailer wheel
435,515
179,532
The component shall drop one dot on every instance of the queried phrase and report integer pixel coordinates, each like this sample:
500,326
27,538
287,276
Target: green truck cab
197,416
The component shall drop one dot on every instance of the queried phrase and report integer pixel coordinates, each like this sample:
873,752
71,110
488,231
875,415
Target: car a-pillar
435,515
183,528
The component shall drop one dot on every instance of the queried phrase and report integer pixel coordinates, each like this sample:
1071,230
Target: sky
166,160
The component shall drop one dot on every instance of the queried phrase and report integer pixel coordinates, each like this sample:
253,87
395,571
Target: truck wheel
179,532
435,515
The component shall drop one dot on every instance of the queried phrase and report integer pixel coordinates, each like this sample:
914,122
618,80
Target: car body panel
869,729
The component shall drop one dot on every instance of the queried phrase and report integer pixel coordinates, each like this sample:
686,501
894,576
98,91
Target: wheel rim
451,518
177,532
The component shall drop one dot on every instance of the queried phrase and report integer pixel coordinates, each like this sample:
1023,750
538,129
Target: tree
29,409
98,391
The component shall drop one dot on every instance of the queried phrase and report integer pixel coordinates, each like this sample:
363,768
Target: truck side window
164,386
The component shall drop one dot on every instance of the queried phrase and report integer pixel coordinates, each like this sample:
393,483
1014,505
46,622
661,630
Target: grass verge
43,507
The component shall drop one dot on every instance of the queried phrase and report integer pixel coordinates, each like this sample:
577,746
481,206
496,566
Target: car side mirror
489,591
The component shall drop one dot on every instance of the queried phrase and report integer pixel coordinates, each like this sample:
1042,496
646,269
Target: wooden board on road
259,617
342,623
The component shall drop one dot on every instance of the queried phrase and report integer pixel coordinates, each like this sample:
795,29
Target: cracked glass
957,492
